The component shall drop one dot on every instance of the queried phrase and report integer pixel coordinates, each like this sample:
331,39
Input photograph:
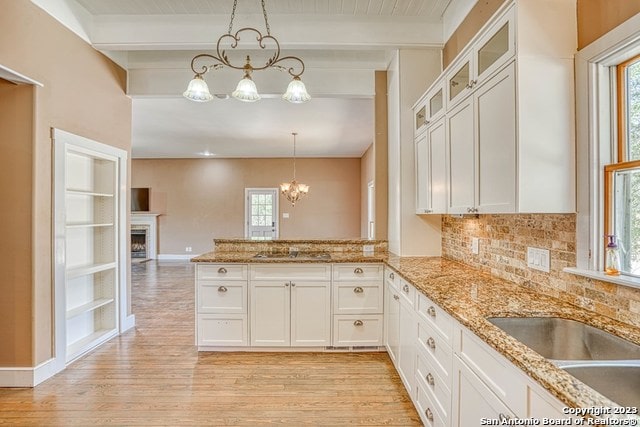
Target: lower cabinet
407,340
290,314
392,322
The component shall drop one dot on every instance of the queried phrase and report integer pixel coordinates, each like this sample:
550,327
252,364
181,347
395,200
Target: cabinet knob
396,297
222,270
431,311
431,343
222,289
405,288
429,414
286,284
293,284
358,323
358,270
358,290
430,379
392,276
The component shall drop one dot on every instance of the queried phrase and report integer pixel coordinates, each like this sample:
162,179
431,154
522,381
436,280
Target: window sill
632,282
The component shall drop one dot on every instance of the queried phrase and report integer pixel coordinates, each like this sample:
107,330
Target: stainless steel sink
620,383
561,339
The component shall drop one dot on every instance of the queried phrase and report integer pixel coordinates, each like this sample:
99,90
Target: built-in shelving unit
89,230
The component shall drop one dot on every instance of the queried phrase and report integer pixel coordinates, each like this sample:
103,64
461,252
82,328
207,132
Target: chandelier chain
266,21
294,155
233,15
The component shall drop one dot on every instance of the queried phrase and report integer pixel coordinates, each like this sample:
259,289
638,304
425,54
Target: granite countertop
294,241
471,296
249,257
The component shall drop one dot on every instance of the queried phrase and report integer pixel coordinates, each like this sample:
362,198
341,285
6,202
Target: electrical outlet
475,246
285,215
538,259
187,249
367,249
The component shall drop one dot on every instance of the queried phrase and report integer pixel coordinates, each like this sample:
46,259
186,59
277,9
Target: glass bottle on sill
612,257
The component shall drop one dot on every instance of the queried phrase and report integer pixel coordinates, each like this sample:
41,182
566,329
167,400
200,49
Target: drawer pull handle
222,270
396,297
358,323
430,379
405,288
429,414
358,270
358,290
222,289
503,417
431,311
431,343
392,276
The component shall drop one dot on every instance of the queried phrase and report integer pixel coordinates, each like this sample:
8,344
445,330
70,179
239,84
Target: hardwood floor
155,376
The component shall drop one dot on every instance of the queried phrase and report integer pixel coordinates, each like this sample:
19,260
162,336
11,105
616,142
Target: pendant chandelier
246,90
294,190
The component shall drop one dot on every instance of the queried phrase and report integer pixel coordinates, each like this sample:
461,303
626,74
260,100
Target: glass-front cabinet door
459,81
495,49
436,102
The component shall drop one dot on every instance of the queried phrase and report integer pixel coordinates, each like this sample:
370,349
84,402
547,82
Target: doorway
261,213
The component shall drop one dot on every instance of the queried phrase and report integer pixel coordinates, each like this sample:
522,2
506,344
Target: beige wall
367,174
381,152
16,137
83,93
598,17
203,199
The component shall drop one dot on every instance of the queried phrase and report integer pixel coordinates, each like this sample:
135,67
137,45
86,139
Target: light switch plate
475,246
367,249
538,259
285,215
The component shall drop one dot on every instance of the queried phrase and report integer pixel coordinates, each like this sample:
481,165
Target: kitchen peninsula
429,313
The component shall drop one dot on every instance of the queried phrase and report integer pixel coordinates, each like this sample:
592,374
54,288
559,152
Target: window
608,152
622,178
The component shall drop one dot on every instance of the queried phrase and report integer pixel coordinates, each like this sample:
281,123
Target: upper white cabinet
431,169
509,113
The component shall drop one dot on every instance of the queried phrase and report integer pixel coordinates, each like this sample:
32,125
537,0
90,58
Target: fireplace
139,241
144,237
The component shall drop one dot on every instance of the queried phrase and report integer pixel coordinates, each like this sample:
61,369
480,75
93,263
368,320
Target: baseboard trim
28,377
128,323
169,257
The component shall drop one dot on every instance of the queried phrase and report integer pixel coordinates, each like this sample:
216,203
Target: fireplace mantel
150,220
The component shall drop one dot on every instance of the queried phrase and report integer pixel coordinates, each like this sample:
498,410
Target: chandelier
294,190
246,89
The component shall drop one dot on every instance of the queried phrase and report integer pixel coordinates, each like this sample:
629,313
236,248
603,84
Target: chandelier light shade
294,190
198,90
246,90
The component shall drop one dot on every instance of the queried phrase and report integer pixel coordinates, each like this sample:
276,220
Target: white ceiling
343,42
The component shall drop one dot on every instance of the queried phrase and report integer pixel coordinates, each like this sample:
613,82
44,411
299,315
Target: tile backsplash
503,242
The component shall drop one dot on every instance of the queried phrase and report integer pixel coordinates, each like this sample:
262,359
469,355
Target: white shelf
85,308
85,270
85,344
630,281
90,225
88,193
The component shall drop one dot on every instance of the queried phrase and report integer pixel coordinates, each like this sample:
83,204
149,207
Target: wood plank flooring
155,376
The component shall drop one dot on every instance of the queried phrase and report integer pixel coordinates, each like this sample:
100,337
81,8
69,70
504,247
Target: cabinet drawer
408,292
357,272
357,298
357,330
437,351
221,296
428,411
436,317
392,278
437,388
495,371
221,271
291,272
221,330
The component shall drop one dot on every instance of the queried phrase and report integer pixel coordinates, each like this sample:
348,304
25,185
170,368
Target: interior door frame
276,207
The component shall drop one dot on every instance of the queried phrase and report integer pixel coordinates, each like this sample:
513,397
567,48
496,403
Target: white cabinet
221,305
482,144
392,317
358,304
431,170
290,305
90,254
509,131
407,344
